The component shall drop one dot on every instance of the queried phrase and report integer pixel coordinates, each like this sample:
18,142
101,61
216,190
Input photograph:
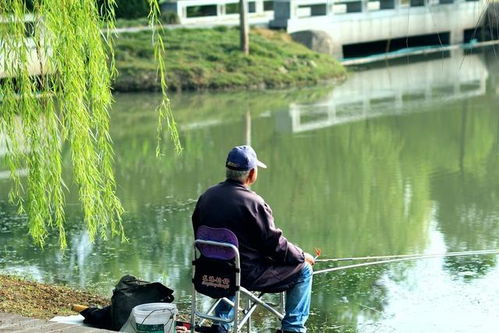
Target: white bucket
155,317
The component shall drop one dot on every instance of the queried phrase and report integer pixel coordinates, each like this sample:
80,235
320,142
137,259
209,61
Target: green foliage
205,10
211,59
232,8
170,17
128,9
55,91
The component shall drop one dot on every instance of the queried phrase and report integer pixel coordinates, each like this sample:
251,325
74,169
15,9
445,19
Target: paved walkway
253,22
15,323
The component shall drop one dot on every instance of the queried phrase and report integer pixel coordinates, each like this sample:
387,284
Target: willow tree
56,71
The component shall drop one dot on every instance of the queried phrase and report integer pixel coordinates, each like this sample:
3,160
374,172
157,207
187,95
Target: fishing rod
398,258
395,256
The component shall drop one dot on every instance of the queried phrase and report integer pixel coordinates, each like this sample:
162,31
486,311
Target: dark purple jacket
268,260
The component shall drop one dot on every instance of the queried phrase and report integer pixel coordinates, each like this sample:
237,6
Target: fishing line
394,256
398,258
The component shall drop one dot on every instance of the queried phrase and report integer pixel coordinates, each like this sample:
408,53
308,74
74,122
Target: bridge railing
310,8
217,11
223,11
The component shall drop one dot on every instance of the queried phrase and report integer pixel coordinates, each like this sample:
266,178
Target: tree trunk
244,26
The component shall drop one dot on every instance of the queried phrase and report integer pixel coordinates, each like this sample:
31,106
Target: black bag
96,317
128,293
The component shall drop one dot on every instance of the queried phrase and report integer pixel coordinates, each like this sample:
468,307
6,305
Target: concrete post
456,36
363,5
259,7
283,11
329,8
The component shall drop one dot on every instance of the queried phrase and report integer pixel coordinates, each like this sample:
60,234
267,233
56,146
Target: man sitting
269,262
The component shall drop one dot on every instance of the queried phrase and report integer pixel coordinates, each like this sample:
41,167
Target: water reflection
384,91
341,177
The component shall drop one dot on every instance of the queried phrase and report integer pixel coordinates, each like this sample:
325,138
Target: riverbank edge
22,296
209,59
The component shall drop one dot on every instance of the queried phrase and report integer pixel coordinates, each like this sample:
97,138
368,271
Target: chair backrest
219,235
217,268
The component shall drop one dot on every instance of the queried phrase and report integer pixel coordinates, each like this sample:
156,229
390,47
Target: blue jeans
297,304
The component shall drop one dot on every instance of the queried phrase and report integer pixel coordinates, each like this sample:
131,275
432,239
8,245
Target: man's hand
309,259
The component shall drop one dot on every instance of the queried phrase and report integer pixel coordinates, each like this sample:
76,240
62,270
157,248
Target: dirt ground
42,301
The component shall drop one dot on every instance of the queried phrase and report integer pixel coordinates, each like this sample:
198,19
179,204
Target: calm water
400,159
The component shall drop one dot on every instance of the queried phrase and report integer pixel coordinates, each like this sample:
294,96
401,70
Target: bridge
36,60
360,21
347,22
393,91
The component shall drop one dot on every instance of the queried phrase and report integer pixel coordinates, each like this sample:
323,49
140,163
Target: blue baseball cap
243,158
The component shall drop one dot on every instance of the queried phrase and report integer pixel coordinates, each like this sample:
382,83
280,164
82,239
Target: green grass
199,59
126,23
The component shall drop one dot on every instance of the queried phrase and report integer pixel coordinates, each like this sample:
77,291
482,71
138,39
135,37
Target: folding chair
217,274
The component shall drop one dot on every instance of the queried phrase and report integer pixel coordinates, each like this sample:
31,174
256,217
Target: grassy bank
42,301
199,59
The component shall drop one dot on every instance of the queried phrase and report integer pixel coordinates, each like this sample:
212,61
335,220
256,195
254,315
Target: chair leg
247,316
249,326
193,310
263,304
236,312
210,310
